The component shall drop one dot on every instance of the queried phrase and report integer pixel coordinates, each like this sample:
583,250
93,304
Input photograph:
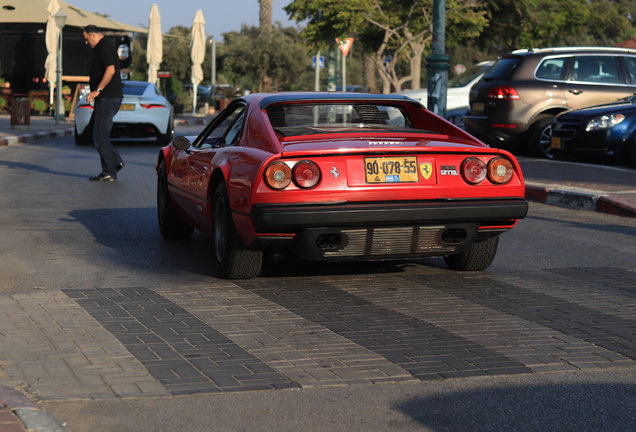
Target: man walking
106,94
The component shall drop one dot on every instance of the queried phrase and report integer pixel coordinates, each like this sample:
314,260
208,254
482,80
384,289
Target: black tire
477,257
82,139
539,138
171,226
165,139
233,259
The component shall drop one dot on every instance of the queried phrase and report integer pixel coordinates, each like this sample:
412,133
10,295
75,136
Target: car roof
265,99
587,49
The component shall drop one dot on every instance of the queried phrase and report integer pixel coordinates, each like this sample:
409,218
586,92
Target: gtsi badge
426,169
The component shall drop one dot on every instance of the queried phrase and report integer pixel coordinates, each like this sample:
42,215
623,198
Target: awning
35,11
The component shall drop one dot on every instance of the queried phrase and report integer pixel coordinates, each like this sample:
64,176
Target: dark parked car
514,104
599,131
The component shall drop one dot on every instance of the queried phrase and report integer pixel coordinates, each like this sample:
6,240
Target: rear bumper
380,231
269,216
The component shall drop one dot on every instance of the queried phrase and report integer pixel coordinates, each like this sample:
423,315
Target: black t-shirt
104,55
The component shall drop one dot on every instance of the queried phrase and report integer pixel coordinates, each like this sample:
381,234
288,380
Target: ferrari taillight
498,170
306,174
148,106
278,175
474,170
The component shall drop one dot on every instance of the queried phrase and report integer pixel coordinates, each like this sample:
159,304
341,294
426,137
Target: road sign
345,45
321,62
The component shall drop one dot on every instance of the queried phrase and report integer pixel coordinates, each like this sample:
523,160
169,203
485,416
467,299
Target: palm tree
265,14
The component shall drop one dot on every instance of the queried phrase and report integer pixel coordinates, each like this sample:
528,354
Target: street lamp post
213,71
438,65
60,20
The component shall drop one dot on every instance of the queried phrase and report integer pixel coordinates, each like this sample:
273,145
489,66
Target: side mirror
181,142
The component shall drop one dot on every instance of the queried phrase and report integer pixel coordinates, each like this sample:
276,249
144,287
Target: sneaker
119,166
103,177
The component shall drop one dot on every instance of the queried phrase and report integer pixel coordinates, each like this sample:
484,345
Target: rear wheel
233,259
165,139
171,226
539,138
477,257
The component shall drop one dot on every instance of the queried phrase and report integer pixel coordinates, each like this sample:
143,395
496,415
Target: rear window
503,69
134,90
310,119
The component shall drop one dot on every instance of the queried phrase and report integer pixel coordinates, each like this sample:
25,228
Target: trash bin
20,114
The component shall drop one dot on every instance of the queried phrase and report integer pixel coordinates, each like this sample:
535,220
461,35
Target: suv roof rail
578,48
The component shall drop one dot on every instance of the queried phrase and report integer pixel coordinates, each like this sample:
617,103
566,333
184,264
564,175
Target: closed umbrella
51,39
154,51
197,54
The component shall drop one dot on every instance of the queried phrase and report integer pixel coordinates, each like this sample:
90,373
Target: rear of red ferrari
383,179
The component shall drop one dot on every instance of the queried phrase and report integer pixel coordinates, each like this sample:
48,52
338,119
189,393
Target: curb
33,418
24,138
39,136
580,200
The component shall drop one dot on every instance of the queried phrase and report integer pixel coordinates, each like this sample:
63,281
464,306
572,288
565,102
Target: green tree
515,24
264,61
392,32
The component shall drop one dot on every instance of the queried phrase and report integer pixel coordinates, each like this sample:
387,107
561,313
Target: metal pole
59,107
331,69
317,76
438,62
213,71
344,72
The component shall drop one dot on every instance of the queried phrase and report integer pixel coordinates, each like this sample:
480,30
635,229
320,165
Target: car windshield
134,90
463,79
320,118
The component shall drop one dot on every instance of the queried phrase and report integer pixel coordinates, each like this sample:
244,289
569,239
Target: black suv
513,105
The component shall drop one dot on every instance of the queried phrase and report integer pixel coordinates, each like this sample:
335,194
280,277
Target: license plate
556,142
478,106
391,169
127,107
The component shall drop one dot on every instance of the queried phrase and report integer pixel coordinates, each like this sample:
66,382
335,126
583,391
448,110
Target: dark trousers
101,124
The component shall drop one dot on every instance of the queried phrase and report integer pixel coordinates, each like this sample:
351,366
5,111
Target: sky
220,15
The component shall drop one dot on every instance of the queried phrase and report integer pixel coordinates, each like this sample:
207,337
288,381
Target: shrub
39,106
3,104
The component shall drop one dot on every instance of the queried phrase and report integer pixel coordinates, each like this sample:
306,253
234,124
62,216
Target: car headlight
604,122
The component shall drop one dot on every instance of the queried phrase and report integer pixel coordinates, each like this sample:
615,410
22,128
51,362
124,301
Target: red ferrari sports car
335,177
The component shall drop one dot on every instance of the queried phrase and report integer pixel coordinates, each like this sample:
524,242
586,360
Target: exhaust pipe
328,241
454,235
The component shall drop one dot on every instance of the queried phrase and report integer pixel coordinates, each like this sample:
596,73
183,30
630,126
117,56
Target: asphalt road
371,347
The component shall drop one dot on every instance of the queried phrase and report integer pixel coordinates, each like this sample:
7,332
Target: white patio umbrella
51,39
154,49
197,54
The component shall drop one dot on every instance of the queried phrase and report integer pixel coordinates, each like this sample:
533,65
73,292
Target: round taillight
278,175
474,170
306,174
500,170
